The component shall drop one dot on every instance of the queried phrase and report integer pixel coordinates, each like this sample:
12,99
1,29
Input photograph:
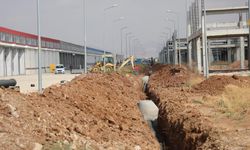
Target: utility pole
85,37
249,35
204,38
123,28
40,89
104,20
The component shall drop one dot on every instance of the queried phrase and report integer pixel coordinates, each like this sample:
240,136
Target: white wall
1,61
8,58
15,63
21,56
31,60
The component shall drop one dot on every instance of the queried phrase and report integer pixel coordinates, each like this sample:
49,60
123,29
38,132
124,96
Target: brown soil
191,117
169,76
236,65
225,65
216,84
97,111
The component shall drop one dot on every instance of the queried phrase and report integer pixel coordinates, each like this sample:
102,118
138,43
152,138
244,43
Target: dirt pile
192,118
97,111
216,84
169,76
181,125
236,65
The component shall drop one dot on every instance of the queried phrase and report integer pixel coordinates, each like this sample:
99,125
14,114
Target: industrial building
19,53
226,41
170,52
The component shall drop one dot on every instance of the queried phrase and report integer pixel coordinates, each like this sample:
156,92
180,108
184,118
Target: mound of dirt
216,84
236,65
189,119
98,111
169,76
181,126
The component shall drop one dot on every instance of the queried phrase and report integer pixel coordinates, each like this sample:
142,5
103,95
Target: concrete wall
11,61
1,61
31,60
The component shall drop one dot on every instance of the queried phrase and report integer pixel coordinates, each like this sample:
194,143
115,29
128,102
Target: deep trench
153,124
178,140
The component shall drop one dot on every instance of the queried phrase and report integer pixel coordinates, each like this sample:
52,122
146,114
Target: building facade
19,53
173,50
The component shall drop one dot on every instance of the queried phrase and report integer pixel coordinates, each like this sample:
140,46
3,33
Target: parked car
60,69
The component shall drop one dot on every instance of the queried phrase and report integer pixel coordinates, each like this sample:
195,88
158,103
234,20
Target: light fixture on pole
249,34
134,46
121,30
178,33
85,36
115,57
104,51
175,40
127,34
40,90
130,38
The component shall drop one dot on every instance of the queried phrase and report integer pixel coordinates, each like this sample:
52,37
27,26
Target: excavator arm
129,59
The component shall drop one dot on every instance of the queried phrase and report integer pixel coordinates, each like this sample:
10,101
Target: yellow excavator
108,61
130,59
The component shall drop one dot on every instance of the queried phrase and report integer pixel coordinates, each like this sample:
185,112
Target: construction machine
110,65
107,63
130,59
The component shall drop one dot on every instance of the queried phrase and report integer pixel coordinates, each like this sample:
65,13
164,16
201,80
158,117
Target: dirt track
197,114
98,111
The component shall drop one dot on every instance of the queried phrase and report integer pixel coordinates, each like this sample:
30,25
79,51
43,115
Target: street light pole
249,35
175,40
178,33
134,45
85,37
205,51
40,90
121,30
104,51
116,52
127,43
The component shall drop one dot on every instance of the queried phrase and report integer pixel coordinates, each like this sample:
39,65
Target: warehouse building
19,53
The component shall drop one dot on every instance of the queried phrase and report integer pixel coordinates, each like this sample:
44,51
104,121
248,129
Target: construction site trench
173,108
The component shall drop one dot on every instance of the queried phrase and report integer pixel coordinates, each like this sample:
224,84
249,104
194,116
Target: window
2,36
33,42
56,46
22,40
8,38
16,39
50,45
43,44
28,41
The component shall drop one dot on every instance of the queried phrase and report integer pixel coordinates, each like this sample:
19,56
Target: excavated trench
150,113
170,134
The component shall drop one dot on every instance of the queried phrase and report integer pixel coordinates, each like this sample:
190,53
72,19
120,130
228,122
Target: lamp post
40,90
175,39
104,51
115,57
178,33
249,35
85,36
130,38
121,30
127,34
134,45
